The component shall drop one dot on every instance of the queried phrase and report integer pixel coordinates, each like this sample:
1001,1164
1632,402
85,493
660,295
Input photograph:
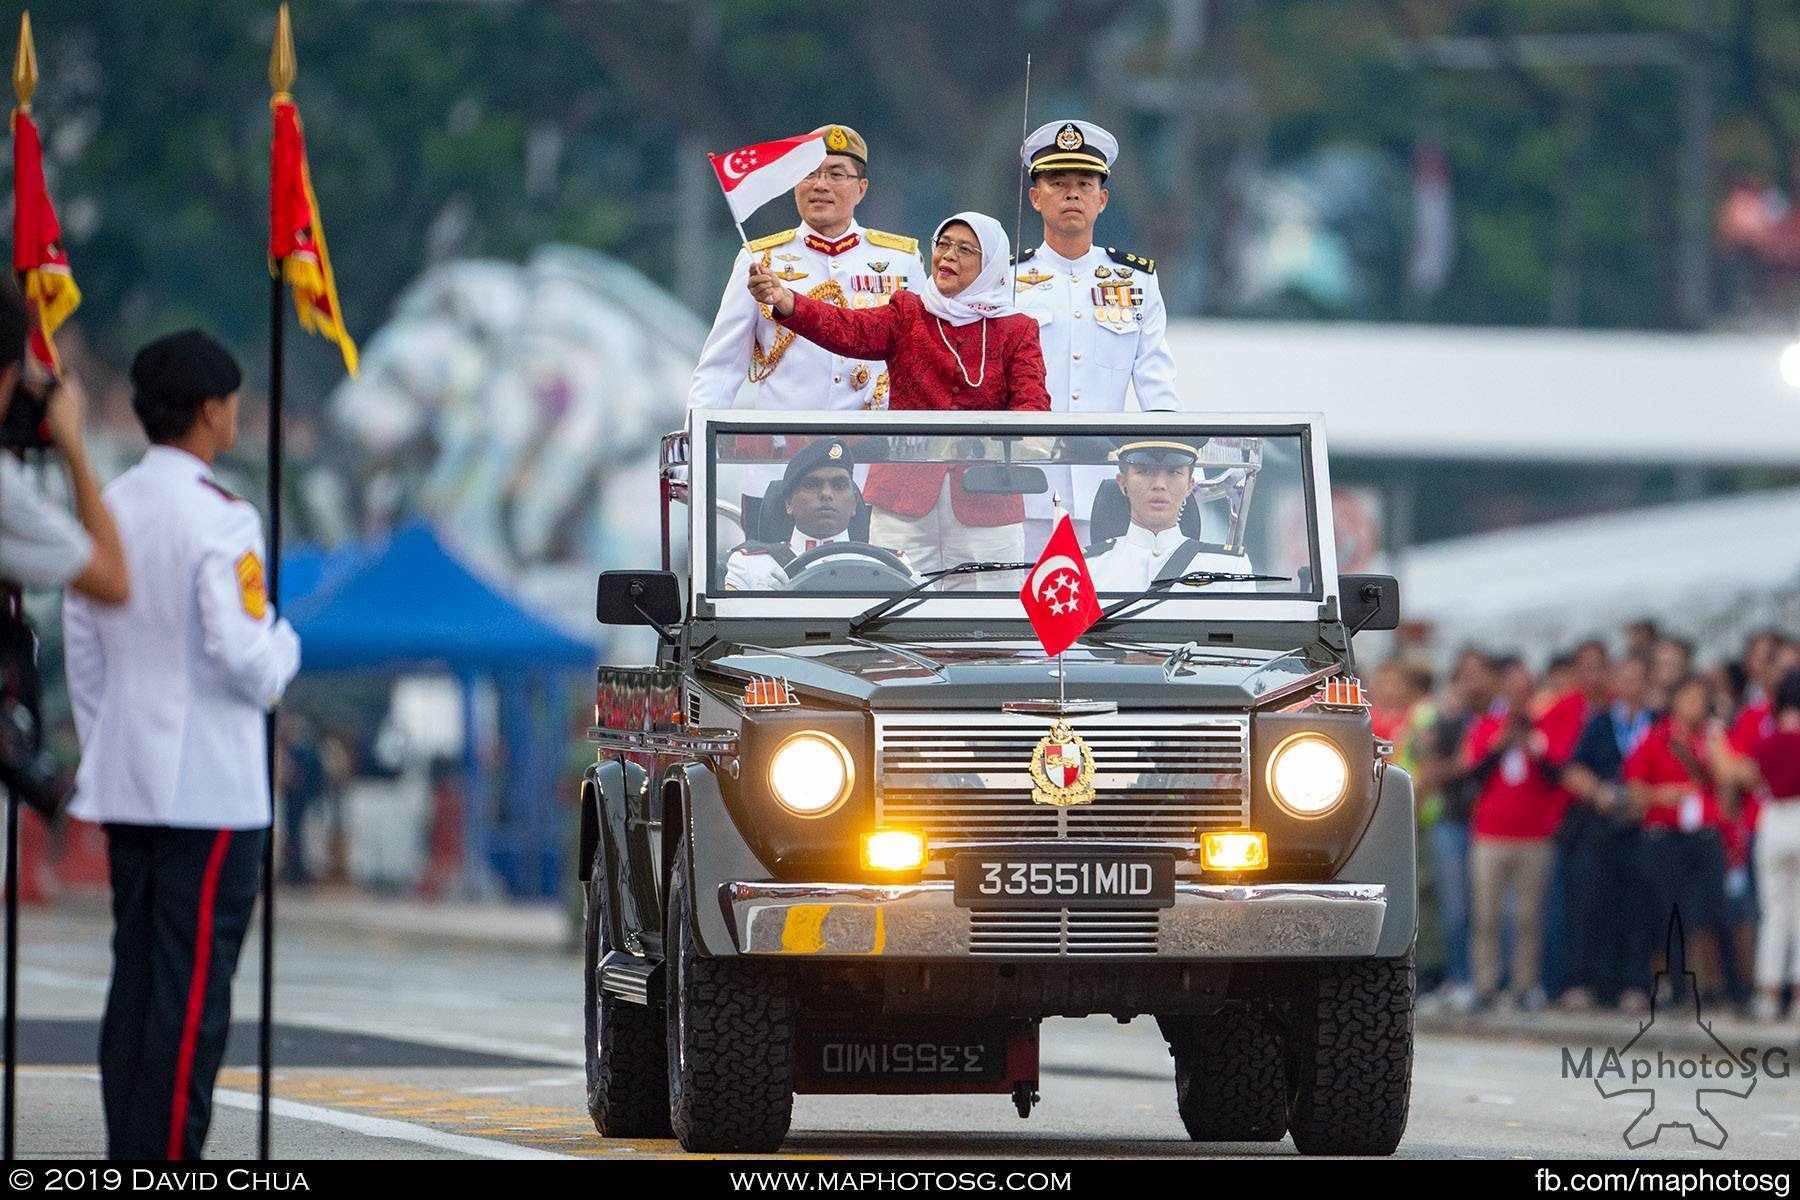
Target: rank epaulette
208,481
772,241
1146,265
892,241
1025,255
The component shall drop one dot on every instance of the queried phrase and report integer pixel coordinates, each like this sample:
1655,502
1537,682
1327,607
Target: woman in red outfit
1672,779
956,344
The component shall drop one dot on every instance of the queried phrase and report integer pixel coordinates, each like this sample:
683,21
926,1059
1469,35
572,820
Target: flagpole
282,70
24,84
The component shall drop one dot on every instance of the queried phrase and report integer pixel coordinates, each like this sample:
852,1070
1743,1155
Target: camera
27,770
25,426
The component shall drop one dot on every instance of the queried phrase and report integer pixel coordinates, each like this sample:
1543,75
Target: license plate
1024,880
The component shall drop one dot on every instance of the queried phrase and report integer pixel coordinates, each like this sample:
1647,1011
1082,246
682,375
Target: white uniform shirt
41,545
1132,561
807,377
1103,328
171,687
758,571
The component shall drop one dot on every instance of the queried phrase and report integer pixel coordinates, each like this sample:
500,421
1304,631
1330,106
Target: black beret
185,367
829,453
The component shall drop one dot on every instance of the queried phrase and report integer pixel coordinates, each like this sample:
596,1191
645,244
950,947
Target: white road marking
384,1127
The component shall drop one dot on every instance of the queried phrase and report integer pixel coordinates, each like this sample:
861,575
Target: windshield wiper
875,612
1191,579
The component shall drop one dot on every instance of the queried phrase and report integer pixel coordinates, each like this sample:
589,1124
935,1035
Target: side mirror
997,479
1369,601
650,598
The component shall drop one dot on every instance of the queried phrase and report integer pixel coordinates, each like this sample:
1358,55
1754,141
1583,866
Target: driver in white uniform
1157,478
819,493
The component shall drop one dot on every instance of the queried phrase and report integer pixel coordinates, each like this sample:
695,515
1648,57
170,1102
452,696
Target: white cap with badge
1069,146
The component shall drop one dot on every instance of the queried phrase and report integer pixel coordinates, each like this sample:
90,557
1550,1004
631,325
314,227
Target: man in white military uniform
818,491
1157,478
828,256
170,691
1099,310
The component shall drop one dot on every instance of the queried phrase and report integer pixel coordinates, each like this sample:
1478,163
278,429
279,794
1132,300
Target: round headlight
1308,775
811,773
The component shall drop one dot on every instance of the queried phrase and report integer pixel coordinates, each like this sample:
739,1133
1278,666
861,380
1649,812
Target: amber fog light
1238,850
893,850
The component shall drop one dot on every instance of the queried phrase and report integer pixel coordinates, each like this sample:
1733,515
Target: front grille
994,932
966,777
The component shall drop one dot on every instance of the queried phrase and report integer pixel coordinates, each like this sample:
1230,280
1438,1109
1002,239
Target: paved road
401,1047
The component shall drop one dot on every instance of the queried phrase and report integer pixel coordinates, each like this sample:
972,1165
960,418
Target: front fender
617,827
717,853
1388,853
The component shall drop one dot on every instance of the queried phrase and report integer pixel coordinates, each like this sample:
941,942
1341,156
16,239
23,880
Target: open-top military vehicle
855,832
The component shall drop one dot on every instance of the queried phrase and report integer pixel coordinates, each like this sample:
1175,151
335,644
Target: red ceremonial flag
754,175
38,254
1059,593
297,236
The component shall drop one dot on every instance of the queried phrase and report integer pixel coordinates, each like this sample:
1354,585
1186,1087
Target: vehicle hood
916,675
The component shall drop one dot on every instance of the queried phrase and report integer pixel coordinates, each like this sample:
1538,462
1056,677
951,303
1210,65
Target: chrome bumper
923,921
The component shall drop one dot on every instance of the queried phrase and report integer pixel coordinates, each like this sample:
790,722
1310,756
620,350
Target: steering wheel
883,571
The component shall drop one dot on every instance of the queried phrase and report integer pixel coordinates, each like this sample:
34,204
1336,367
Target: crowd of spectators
1618,819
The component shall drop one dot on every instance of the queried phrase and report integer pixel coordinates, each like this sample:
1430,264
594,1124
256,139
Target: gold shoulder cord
763,362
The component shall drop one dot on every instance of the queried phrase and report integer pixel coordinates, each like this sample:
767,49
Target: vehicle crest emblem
1062,768
1068,137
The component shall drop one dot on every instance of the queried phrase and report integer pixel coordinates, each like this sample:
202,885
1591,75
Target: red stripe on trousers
190,1029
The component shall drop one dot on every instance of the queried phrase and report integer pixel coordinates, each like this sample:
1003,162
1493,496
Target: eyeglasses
956,249
836,176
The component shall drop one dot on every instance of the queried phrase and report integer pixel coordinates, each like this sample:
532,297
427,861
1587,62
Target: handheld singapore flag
38,255
754,175
296,234
1059,593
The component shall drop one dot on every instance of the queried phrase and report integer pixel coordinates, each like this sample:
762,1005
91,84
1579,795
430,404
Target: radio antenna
1019,212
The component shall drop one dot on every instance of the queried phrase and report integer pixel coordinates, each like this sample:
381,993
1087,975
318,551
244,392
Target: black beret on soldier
172,375
829,453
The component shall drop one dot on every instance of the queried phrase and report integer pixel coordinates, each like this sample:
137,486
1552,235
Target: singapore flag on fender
754,175
1059,593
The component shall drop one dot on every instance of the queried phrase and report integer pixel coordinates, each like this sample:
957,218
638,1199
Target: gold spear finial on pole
25,64
282,68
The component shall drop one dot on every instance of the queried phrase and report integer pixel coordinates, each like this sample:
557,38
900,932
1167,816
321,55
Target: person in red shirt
1777,761
1672,780
1517,811
957,344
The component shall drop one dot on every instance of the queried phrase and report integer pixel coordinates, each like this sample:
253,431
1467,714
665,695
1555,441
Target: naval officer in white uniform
1099,310
1157,478
828,256
170,691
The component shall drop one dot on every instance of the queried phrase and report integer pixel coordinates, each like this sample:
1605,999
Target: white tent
1713,569
1419,391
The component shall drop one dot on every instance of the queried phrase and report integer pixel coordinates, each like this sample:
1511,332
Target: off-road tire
1230,1076
730,1041
627,1070
1353,1065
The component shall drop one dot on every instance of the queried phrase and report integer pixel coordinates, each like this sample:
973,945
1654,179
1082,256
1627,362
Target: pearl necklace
977,381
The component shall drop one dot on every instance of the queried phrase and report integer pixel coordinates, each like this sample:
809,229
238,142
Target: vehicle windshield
868,506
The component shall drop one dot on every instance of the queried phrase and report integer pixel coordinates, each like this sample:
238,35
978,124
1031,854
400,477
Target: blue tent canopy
406,601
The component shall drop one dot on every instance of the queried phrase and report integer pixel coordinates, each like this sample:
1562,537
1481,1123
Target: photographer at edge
42,546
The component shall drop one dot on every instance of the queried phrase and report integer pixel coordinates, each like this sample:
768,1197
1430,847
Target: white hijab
991,294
